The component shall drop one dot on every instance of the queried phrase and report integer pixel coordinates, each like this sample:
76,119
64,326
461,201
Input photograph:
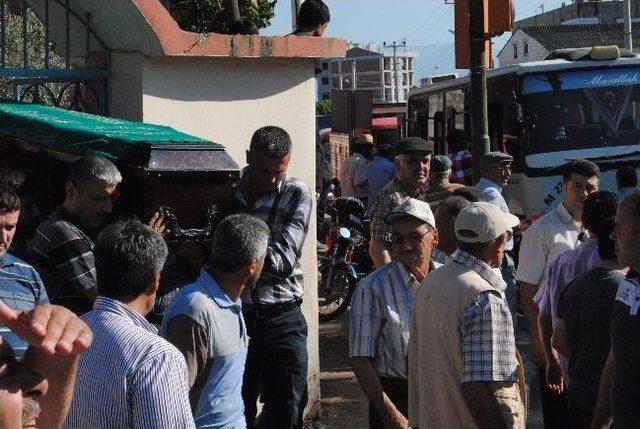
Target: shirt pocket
18,300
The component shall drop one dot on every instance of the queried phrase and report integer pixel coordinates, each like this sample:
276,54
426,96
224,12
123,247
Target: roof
561,36
360,52
78,133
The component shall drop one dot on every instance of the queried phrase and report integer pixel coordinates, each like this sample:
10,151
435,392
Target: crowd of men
432,329
232,337
432,332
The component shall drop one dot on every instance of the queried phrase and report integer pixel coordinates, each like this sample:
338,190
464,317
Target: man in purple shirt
569,265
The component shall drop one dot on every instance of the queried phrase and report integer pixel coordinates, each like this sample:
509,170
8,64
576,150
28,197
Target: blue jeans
276,370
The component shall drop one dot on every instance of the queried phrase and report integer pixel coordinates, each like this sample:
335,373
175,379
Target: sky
425,24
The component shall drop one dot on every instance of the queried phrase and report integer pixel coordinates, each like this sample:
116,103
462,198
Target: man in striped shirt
62,247
276,368
20,285
381,310
130,377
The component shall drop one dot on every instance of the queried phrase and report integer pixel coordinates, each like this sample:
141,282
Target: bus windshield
586,109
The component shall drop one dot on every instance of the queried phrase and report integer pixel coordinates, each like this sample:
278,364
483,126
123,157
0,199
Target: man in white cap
354,176
463,365
381,310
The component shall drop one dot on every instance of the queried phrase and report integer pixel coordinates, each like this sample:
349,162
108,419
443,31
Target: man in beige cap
354,175
463,365
381,310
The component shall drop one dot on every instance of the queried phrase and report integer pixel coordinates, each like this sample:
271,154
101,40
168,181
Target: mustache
31,408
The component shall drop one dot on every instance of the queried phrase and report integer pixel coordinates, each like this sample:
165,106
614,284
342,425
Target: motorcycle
345,259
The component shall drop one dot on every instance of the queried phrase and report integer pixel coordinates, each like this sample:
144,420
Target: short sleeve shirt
543,242
625,344
206,304
20,289
381,309
390,196
586,307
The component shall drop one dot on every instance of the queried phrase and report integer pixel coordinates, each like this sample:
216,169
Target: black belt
265,311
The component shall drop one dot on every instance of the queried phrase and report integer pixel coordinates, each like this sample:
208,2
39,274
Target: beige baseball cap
365,139
414,208
483,222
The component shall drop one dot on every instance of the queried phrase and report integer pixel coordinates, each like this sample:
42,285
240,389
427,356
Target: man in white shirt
355,176
554,233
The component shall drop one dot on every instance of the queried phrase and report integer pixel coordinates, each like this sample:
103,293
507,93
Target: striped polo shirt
381,309
130,377
63,255
20,289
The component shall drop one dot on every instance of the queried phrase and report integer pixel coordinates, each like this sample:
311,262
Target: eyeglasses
414,238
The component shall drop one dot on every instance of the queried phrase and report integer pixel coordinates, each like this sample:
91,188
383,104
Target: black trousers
397,389
554,406
276,371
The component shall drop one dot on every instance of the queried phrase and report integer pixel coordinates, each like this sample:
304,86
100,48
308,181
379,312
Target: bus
544,114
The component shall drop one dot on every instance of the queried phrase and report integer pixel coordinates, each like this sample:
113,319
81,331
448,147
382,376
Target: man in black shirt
620,386
582,329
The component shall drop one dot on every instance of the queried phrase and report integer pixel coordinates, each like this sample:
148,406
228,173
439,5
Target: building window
325,65
515,51
325,81
326,96
526,49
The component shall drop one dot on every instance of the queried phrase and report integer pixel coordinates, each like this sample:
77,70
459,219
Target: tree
208,16
323,108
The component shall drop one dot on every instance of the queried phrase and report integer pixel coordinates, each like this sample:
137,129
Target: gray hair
238,240
93,167
128,254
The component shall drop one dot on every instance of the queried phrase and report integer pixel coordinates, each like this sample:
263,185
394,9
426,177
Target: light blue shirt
492,193
220,404
21,289
380,171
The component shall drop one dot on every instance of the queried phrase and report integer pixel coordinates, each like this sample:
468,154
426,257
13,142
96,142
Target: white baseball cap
413,208
483,222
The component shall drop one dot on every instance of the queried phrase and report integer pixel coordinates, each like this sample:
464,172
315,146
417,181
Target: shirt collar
481,268
400,185
408,275
488,183
7,260
238,189
564,214
110,305
216,293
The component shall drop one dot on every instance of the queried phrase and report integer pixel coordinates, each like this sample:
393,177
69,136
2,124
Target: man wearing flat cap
439,185
496,172
412,173
354,178
464,371
381,310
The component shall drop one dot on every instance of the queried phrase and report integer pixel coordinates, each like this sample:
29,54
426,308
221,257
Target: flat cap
496,158
412,145
440,164
413,208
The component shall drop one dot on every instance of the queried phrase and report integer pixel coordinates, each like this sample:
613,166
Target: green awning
79,133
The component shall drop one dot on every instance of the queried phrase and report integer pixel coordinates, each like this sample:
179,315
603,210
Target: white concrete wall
537,52
125,85
226,100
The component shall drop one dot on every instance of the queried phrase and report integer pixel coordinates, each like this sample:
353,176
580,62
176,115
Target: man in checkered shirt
461,158
462,322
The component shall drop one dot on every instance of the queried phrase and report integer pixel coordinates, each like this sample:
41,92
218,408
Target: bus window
455,109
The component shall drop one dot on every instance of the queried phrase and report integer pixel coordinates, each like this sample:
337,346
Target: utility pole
628,35
353,75
479,112
395,46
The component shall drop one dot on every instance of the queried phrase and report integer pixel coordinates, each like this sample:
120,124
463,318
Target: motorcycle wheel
334,298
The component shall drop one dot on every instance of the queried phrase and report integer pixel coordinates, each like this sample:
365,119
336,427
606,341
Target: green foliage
14,52
323,108
206,16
